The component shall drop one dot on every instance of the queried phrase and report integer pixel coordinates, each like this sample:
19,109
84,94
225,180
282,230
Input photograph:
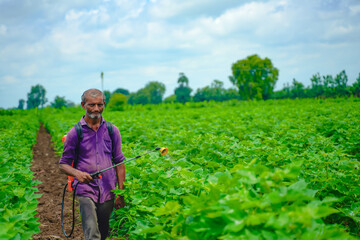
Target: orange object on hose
163,151
70,181
63,138
70,178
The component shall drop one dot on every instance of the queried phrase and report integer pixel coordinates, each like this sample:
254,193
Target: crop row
237,170
18,200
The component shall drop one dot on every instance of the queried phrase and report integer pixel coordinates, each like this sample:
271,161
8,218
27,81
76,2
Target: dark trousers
95,218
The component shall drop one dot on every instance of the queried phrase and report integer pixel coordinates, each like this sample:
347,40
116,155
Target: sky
65,45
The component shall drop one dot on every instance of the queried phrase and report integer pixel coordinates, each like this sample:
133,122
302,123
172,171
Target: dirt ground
45,168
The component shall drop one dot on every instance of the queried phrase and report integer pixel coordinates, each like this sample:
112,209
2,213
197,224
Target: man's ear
83,105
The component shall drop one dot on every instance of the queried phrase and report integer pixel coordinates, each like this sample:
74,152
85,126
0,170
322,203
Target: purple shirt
96,152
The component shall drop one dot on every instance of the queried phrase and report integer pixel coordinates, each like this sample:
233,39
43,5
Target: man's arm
83,177
120,175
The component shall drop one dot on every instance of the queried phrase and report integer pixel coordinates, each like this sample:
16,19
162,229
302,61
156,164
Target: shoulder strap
109,126
110,129
79,133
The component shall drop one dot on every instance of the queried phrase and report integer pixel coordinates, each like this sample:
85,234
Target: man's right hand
84,177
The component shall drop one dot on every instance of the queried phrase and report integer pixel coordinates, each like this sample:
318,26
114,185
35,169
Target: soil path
46,170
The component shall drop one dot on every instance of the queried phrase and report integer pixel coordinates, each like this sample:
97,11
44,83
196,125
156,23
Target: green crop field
18,200
284,169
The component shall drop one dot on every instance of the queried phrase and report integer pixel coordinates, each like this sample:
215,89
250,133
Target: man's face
94,106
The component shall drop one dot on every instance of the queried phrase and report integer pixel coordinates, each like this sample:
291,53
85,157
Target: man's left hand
119,202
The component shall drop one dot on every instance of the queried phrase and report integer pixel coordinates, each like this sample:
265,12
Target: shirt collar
83,122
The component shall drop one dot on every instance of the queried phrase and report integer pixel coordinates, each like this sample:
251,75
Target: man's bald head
93,92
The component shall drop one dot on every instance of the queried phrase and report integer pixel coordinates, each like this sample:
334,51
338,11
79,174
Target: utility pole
102,81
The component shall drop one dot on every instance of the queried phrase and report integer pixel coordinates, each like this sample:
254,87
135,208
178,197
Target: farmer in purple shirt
97,151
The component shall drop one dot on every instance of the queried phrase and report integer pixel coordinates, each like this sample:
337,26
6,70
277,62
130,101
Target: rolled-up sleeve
69,152
117,153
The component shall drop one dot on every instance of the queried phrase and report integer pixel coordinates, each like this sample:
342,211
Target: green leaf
235,226
155,229
171,207
323,211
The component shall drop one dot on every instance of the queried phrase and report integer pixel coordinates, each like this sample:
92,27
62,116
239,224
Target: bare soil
46,170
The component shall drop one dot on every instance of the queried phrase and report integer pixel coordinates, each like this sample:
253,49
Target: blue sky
65,45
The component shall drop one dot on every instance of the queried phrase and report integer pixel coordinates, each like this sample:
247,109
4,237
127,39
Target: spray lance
96,175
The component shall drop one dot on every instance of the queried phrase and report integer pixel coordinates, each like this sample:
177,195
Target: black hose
73,211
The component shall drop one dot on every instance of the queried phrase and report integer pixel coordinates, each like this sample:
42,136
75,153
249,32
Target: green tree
122,90
59,102
328,86
183,94
355,88
215,92
183,80
21,104
170,99
117,102
107,95
317,88
156,91
152,93
140,97
231,93
297,89
283,93
36,97
254,77
202,94
183,91
341,88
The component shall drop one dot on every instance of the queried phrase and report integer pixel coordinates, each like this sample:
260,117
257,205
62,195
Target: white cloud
167,8
340,30
355,9
75,43
204,32
70,42
72,15
93,16
155,71
9,79
3,29
129,9
186,10
29,70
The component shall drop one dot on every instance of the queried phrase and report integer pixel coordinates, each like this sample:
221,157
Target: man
96,151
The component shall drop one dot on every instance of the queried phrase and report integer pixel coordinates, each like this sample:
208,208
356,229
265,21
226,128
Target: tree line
253,78
325,86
